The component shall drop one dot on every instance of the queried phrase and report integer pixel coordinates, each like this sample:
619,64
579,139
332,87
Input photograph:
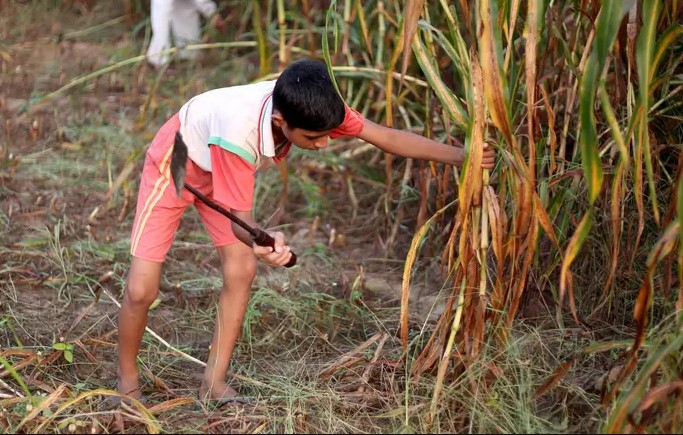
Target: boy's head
306,104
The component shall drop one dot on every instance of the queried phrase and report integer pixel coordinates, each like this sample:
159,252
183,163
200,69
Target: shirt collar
266,143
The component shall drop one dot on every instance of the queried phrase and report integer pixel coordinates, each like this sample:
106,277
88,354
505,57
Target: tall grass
573,95
540,187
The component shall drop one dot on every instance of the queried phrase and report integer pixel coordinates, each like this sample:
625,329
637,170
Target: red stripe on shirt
260,123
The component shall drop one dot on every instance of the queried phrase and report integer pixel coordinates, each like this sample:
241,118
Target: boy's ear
277,119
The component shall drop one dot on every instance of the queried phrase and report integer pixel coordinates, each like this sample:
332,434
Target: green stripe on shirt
235,149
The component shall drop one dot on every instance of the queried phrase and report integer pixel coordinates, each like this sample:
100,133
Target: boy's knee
241,268
139,295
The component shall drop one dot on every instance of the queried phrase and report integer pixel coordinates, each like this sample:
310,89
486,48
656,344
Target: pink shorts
159,209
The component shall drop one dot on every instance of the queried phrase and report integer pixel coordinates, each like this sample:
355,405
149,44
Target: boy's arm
240,232
233,179
411,145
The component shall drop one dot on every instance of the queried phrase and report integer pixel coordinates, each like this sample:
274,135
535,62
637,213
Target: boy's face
306,139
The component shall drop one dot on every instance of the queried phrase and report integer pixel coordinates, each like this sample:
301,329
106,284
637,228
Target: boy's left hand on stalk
274,257
489,158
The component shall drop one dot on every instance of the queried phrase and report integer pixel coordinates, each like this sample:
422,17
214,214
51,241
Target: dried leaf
411,16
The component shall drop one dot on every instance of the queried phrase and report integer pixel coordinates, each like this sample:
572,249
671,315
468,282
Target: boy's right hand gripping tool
178,162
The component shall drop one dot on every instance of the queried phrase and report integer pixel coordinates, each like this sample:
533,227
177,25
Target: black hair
306,97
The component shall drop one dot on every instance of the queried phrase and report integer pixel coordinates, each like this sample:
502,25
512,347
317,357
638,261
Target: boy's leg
157,217
239,269
142,287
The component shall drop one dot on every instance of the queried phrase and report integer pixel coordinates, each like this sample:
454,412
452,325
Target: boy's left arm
411,145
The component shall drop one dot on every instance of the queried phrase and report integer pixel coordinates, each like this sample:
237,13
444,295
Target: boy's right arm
233,186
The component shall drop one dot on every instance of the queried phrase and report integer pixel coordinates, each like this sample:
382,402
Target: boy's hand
489,158
278,257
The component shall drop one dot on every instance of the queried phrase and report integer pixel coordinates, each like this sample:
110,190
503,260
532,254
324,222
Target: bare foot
216,392
129,387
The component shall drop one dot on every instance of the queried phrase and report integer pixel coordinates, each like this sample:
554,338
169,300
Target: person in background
180,19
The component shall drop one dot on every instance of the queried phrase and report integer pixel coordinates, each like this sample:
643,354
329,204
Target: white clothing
237,119
181,18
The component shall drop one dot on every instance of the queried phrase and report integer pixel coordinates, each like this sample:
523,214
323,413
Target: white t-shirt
237,119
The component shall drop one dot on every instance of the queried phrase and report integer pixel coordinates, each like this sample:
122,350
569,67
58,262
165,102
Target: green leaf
606,29
448,100
100,250
645,54
59,346
39,242
663,44
155,304
69,356
615,129
16,376
326,42
456,52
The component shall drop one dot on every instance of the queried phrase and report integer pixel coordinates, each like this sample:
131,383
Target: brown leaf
170,404
555,378
493,80
411,14
544,219
659,394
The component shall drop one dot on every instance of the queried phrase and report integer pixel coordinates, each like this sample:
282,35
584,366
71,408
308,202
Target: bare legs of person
238,265
142,287
239,269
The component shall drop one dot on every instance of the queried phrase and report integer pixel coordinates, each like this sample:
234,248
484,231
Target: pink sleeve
232,178
351,126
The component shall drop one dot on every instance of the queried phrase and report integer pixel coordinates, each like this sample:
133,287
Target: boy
230,134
